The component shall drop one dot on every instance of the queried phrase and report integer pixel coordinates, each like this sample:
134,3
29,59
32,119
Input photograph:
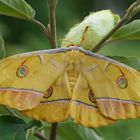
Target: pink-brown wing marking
20,99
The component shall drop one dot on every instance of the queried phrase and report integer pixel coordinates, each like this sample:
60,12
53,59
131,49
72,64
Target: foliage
16,8
13,126
128,32
130,61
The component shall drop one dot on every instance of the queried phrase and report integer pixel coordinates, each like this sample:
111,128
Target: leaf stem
52,22
42,27
129,14
53,39
40,136
10,111
53,131
2,48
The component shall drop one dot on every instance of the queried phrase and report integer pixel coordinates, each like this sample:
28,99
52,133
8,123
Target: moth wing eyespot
22,71
122,82
92,97
49,92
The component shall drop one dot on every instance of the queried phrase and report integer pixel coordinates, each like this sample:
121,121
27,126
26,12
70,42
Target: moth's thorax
73,68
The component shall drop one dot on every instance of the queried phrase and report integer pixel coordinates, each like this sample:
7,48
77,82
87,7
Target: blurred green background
21,36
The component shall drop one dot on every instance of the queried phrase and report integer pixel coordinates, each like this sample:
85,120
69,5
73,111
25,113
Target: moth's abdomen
72,78
73,68
72,81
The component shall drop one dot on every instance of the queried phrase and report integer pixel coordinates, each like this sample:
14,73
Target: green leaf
130,61
70,131
16,8
122,130
12,128
130,31
122,48
4,110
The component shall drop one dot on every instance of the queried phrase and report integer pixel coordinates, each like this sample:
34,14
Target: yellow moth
53,85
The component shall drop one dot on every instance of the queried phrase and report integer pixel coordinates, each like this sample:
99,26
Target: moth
53,85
